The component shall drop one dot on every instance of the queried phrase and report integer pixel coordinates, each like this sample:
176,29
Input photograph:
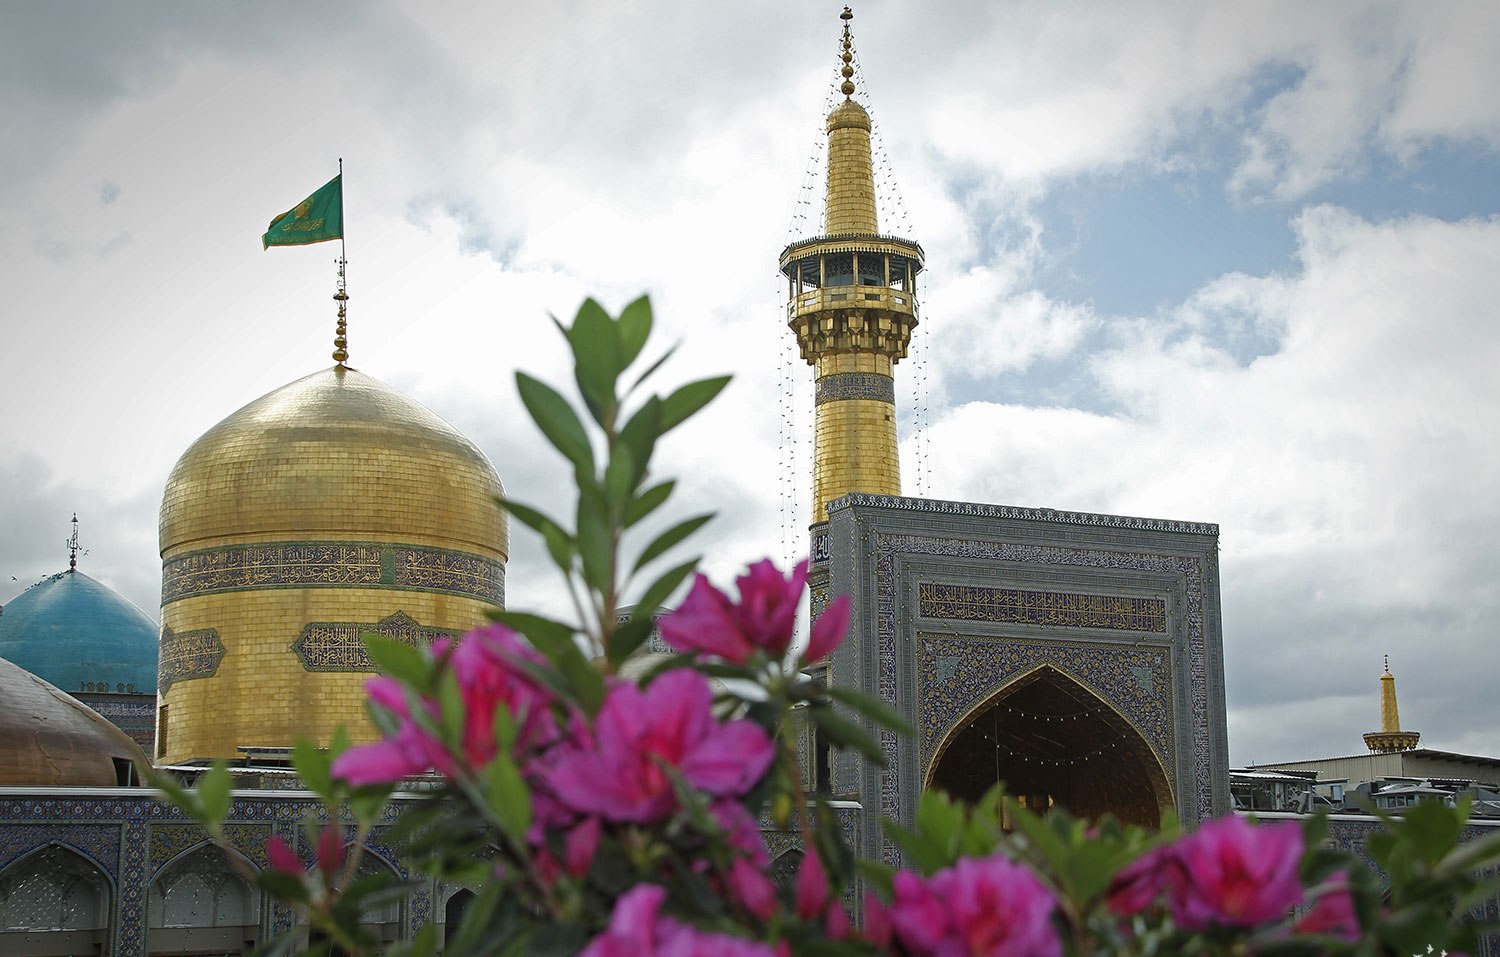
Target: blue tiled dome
80,636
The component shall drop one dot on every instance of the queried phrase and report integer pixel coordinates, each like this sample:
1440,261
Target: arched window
199,903
57,900
453,911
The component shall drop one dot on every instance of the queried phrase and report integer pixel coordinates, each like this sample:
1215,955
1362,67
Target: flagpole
341,338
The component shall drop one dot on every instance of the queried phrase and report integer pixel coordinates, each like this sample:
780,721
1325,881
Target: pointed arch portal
1054,743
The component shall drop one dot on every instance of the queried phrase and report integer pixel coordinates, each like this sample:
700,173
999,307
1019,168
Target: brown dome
50,739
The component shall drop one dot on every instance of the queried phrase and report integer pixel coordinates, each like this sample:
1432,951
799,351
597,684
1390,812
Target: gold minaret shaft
852,305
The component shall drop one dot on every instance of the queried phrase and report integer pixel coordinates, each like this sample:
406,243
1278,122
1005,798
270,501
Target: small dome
81,636
848,115
50,739
334,451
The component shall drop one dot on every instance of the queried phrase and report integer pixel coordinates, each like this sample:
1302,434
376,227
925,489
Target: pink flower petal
829,631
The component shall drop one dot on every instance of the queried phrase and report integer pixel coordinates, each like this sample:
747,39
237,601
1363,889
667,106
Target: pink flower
829,630
877,924
621,775
282,858
1332,911
1236,874
987,906
637,929
579,847
812,886
763,620
330,852
1140,883
752,887
485,663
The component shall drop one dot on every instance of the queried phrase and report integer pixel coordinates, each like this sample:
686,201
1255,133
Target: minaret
852,305
1390,737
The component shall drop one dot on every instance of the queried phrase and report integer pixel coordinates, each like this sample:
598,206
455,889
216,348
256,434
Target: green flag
318,218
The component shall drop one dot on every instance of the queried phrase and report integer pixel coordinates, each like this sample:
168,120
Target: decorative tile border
183,656
1046,608
339,645
332,565
978,510
855,385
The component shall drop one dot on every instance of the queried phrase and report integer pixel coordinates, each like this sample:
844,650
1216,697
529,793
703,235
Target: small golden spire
1390,737
848,56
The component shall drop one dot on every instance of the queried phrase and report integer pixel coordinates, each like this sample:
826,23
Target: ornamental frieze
182,656
855,385
1058,609
339,645
332,565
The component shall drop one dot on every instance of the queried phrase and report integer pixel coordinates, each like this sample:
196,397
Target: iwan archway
1054,743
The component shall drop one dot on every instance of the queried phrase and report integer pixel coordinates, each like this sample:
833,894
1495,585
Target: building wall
1164,677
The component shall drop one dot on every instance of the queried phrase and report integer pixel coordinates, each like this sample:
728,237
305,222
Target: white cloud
1352,471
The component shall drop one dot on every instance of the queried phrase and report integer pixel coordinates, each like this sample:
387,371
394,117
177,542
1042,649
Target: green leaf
213,795
841,732
640,435
557,420
647,502
689,399
451,708
635,328
872,707
651,369
597,358
401,661
660,589
312,765
595,545
561,547
619,478
282,886
940,821
528,516
545,634
627,638
669,538
508,797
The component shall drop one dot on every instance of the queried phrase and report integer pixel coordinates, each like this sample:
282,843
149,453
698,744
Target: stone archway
1053,742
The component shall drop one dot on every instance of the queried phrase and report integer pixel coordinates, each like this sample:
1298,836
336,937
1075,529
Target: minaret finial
848,56
73,546
341,295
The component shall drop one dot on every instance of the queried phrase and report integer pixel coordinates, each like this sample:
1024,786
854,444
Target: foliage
601,801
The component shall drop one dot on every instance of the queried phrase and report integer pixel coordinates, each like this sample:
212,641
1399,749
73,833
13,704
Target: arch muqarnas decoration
198,902
1052,741
54,900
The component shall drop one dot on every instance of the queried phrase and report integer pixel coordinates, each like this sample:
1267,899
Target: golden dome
307,458
330,508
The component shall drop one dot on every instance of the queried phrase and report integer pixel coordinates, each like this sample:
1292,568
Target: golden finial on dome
341,295
848,56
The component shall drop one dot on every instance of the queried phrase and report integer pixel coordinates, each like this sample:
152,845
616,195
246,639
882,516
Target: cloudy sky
1230,262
